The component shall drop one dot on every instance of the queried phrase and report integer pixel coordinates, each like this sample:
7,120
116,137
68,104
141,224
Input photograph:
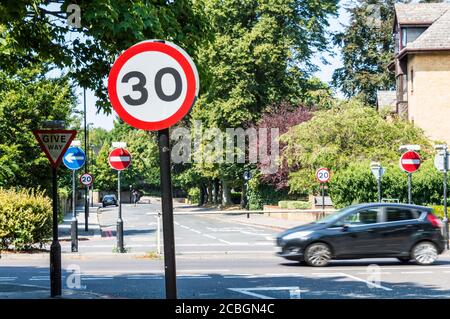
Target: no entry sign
410,161
323,175
119,159
153,85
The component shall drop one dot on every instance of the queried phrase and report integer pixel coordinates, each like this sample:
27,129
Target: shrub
356,184
294,204
260,194
194,195
25,218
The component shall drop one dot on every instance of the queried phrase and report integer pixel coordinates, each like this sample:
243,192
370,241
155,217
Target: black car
406,232
109,200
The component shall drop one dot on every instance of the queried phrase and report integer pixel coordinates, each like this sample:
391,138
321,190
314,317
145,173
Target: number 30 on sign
153,85
323,175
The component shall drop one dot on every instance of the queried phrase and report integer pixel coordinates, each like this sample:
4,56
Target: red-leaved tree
282,116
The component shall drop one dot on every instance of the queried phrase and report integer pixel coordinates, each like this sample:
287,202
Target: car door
400,225
359,233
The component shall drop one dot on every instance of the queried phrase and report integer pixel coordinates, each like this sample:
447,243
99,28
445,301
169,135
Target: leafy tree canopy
349,132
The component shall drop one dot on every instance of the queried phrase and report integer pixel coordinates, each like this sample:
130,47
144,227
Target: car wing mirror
345,227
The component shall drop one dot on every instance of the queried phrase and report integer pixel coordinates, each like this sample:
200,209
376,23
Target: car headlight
300,234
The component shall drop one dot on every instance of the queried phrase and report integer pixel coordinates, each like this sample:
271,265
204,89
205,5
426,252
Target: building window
412,81
404,37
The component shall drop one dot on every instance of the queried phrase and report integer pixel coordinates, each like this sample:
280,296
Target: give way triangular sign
54,143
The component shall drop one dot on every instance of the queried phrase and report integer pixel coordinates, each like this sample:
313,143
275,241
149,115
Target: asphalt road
194,234
220,258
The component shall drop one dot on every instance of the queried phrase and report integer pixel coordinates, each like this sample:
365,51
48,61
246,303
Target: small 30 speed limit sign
86,179
323,175
153,85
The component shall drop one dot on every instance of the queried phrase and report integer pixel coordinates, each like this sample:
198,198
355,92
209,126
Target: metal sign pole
55,248
86,190
409,188
167,215
119,219
379,184
323,197
74,222
445,197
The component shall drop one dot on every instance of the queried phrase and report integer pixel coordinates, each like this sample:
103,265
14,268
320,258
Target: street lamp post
445,195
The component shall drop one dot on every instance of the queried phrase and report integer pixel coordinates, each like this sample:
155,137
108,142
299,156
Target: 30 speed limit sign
86,179
153,85
323,175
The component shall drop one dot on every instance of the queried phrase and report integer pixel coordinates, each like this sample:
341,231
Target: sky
326,71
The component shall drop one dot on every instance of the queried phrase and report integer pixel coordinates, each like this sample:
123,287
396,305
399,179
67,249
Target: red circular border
185,65
417,156
122,150
329,174
90,176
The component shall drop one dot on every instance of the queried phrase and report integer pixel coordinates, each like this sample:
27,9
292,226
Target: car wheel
318,255
424,253
404,259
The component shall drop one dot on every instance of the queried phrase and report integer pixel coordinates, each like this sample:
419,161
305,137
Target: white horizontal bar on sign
410,161
120,159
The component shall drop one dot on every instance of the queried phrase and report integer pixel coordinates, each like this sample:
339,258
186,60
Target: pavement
217,256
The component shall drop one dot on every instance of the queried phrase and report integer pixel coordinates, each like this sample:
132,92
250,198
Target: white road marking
8,278
341,274
209,236
196,231
369,283
224,241
416,272
248,291
96,278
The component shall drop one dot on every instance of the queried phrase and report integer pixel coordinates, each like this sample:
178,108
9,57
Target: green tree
37,30
367,49
26,100
347,133
258,54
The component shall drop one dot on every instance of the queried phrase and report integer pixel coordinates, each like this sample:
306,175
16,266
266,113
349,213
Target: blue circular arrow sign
74,158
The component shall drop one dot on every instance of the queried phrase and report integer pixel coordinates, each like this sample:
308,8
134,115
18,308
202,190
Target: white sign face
378,172
86,179
323,175
439,162
54,143
153,84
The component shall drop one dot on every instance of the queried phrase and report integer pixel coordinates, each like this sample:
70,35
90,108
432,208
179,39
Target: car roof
111,195
397,205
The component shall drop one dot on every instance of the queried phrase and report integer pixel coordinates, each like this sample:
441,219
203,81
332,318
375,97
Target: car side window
362,217
394,214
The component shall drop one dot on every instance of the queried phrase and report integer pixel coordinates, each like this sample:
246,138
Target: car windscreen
334,217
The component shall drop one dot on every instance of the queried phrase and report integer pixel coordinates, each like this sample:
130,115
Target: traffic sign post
74,159
54,143
323,176
378,172
410,162
247,176
119,159
442,164
152,86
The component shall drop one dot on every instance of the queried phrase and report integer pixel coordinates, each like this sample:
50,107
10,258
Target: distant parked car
405,232
109,200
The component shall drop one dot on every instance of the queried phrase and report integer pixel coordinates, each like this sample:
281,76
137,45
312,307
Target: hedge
25,218
294,204
356,184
